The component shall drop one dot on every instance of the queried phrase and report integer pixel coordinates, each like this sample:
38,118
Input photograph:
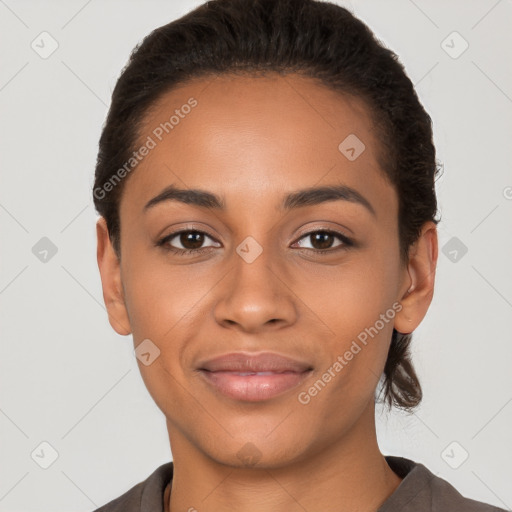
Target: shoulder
421,490
144,496
445,496
128,502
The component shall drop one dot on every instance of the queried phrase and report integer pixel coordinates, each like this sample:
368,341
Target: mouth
253,378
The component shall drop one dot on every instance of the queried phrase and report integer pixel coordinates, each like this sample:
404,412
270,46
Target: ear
417,291
110,272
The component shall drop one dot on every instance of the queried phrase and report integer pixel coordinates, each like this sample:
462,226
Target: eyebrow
300,198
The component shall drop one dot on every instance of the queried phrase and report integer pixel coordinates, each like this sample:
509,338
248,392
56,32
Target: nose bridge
256,295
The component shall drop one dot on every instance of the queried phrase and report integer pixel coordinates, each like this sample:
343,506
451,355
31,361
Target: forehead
254,138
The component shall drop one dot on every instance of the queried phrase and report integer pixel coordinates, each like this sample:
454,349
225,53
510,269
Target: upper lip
260,362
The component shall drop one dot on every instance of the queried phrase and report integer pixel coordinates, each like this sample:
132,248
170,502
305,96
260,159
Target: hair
319,40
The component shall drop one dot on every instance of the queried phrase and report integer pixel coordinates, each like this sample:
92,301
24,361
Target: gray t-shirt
419,491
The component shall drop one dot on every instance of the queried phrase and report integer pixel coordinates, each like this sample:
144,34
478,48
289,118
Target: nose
256,296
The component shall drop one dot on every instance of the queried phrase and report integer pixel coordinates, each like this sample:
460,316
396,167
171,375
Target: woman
265,181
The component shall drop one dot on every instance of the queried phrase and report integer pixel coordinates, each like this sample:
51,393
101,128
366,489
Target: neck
351,474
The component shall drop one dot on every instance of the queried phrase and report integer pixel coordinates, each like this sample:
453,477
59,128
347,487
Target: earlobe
110,272
419,286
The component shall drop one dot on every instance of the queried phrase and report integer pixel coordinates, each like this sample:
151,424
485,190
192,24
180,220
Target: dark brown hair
319,40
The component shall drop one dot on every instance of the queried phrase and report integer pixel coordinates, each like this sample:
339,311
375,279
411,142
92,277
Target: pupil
194,238
320,240
324,239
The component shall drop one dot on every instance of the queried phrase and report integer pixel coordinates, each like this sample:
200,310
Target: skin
252,140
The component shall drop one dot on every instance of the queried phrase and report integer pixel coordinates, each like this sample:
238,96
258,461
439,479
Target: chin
258,450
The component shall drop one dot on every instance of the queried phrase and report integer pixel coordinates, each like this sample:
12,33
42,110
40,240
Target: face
314,277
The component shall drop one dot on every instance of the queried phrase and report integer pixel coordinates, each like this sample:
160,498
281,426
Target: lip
254,362
254,377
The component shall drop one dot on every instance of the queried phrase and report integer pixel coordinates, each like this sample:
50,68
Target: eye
191,242
188,241
322,241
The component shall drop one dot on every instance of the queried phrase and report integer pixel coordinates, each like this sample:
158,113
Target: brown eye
187,241
324,240
191,239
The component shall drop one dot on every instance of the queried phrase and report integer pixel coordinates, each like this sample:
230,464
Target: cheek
161,298
360,314
353,295
358,305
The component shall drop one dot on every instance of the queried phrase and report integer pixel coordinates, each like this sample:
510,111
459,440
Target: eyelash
163,242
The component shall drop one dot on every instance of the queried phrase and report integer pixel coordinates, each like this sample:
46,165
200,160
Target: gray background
68,379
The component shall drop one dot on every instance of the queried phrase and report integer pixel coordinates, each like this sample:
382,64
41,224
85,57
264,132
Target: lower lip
253,388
